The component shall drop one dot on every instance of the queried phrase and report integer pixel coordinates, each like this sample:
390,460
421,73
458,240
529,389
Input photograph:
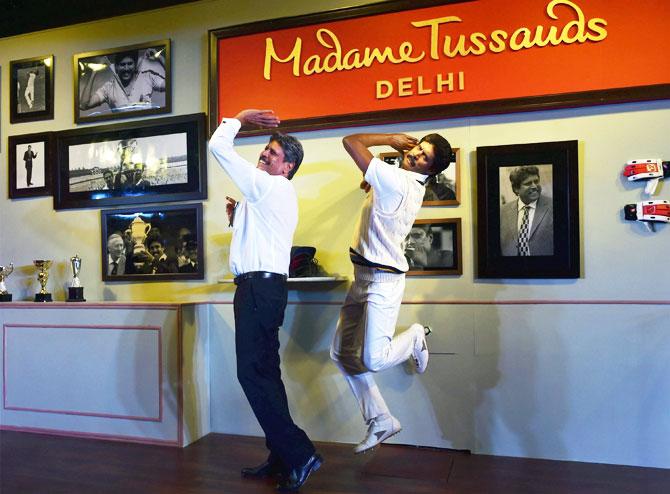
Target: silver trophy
5,271
76,291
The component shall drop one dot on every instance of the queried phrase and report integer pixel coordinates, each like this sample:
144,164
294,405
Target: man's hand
230,210
403,142
365,186
260,118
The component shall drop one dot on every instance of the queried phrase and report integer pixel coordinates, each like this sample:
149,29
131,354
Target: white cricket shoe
420,353
379,430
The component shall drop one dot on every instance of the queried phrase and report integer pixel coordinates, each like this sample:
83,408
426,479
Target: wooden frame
497,104
103,79
442,190
434,247
553,235
30,158
144,162
136,232
31,89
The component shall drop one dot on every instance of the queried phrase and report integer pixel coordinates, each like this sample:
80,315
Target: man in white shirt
364,341
263,226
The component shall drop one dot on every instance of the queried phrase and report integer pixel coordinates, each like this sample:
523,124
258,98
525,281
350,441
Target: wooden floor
34,463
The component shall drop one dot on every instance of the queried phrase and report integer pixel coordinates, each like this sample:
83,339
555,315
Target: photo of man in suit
527,220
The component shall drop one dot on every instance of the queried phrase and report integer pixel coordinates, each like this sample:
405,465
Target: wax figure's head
126,66
419,241
282,156
526,183
430,156
115,246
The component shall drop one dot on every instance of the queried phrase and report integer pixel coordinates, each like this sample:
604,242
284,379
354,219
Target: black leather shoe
264,470
299,475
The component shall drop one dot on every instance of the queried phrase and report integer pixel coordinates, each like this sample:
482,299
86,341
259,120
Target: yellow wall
327,182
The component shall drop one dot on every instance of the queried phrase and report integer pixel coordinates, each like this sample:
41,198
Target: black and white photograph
132,163
29,163
433,247
153,243
31,89
122,82
442,189
528,210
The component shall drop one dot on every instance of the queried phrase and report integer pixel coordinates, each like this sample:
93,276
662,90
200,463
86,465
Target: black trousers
259,311
29,173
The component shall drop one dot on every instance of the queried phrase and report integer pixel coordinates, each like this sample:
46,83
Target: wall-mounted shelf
311,279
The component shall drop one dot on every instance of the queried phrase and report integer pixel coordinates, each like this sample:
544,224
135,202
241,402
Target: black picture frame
442,190
31,89
553,237
30,175
162,160
434,247
126,229
102,80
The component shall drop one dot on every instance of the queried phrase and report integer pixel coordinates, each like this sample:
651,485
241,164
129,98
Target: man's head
29,147
526,183
420,238
431,156
108,177
156,246
190,247
126,65
115,246
282,155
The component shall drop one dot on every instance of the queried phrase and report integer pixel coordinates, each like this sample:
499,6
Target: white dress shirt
266,218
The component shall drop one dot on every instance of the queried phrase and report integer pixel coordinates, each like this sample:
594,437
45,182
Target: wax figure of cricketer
364,341
263,226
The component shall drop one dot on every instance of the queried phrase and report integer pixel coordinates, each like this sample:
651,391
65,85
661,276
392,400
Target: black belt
259,275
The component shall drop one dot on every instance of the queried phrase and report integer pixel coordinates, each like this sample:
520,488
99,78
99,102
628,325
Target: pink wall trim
8,326
89,435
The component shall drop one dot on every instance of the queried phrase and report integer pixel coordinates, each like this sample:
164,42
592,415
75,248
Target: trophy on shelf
138,233
5,271
42,277
76,291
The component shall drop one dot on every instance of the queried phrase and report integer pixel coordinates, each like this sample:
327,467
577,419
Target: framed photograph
153,243
433,247
31,89
122,82
528,211
151,161
442,189
29,165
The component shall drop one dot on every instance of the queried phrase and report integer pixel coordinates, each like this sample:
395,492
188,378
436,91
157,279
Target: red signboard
382,64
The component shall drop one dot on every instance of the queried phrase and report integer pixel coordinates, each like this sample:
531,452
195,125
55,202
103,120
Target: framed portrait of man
161,243
122,82
442,189
31,91
433,247
528,211
29,165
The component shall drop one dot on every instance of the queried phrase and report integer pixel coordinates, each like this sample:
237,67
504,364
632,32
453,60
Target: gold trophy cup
138,233
76,291
43,277
5,271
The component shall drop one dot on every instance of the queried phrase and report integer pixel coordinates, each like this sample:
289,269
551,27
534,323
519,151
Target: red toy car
652,170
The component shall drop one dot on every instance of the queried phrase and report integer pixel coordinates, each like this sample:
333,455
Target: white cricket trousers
364,341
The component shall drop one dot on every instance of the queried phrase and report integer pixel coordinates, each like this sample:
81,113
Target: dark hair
520,174
126,54
152,239
292,148
443,155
